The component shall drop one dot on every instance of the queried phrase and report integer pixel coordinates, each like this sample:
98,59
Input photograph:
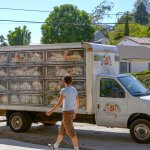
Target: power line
46,11
18,9
22,21
40,22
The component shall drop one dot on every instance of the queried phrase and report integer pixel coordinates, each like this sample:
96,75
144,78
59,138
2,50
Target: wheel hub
142,131
16,122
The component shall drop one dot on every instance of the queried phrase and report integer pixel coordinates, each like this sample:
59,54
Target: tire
29,121
20,122
140,131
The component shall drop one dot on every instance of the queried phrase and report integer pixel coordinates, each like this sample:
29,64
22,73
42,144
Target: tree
141,15
138,2
136,30
67,24
2,41
126,28
101,10
19,36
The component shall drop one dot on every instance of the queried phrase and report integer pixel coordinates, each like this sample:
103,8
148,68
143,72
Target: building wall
134,66
138,66
148,46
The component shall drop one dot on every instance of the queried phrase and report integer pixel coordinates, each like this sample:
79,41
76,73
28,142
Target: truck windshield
134,86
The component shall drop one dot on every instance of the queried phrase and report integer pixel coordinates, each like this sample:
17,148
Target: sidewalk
6,144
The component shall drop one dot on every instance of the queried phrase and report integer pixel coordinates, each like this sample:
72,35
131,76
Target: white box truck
30,81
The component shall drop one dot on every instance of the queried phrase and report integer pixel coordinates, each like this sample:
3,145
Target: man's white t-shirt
70,94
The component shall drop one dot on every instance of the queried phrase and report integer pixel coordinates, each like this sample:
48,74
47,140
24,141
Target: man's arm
76,107
57,105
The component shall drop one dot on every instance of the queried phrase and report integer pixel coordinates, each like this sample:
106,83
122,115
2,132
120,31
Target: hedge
144,77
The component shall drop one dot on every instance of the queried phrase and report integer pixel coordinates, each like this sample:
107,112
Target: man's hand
57,105
76,108
74,116
48,113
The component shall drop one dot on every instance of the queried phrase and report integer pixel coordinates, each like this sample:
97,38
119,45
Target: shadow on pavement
17,145
90,137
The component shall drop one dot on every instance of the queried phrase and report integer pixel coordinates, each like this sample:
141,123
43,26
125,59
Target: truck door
111,103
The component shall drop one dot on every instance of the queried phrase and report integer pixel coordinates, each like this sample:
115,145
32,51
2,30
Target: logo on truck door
111,109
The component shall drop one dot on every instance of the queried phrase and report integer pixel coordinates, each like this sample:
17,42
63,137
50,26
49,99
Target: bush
144,77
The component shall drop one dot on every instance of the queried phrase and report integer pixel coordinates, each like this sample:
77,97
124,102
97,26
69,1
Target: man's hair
67,79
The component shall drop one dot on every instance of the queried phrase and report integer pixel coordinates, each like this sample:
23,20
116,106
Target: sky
47,5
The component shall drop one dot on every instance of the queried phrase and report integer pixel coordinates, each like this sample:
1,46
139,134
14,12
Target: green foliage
19,36
117,34
134,23
100,10
138,15
141,15
136,30
2,41
144,77
138,2
67,24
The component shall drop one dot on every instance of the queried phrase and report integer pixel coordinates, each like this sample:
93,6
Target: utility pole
126,28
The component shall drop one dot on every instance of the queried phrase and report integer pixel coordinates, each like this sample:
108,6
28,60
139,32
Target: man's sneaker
51,146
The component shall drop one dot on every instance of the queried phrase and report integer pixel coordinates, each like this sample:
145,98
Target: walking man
69,98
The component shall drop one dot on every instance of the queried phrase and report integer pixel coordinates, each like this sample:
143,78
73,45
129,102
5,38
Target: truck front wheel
20,122
140,130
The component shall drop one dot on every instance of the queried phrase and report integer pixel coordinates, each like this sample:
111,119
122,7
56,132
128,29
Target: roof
98,35
144,41
112,75
134,52
100,47
42,47
102,41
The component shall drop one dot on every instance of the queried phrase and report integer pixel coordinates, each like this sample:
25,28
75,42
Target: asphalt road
6,144
91,137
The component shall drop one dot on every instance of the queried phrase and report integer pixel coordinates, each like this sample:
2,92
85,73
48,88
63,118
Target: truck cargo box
31,76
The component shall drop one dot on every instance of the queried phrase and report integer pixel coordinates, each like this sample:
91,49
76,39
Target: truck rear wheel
20,122
140,130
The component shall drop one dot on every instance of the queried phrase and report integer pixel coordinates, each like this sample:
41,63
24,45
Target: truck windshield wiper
142,94
139,94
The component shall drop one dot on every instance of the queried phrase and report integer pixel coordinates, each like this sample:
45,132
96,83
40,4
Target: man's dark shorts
67,124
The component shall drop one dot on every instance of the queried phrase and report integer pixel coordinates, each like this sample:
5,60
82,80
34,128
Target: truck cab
119,97
119,100
122,101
